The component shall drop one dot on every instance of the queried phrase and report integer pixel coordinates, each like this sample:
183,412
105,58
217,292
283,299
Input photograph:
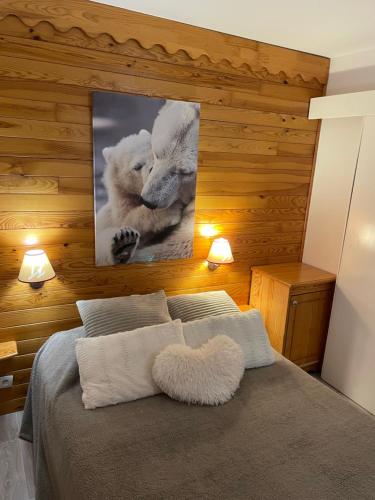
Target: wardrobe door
336,159
349,363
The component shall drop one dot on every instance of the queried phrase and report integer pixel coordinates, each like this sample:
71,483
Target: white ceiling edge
352,73
356,60
329,28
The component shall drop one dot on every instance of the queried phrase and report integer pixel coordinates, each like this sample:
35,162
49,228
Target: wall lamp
36,268
220,253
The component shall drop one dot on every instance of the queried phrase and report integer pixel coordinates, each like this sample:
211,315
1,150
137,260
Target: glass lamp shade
220,252
36,268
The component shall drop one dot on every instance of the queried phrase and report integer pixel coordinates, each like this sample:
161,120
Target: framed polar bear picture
145,166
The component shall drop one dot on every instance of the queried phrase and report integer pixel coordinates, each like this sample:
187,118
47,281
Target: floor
16,470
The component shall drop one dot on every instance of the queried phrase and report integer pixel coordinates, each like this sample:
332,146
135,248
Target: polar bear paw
124,245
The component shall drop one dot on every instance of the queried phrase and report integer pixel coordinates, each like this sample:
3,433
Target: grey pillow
200,305
245,328
121,314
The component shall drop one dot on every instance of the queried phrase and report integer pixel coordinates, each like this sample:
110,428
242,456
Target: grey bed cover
283,436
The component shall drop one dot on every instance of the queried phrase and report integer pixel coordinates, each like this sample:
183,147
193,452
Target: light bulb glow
208,230
31,240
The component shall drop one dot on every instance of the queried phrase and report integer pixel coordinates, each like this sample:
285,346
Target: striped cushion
121,314
200,305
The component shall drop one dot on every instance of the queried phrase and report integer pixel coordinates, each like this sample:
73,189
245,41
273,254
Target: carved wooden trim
171,38
76,37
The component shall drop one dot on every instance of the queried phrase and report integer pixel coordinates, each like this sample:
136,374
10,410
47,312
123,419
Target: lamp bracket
212,266
37,285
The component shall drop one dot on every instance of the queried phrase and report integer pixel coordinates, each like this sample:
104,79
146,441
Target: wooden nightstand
8,349
295,301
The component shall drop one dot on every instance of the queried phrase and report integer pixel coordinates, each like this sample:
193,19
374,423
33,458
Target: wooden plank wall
255,156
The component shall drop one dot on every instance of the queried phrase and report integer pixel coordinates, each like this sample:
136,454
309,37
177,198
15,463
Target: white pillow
118,368
247,329
209,375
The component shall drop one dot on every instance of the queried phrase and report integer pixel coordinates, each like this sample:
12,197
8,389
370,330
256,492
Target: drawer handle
295,303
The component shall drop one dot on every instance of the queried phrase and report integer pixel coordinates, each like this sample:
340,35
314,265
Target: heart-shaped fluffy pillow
209,375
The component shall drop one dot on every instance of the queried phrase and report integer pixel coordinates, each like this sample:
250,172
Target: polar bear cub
123,222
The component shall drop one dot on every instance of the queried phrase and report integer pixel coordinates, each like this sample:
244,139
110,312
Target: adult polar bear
173,176
127,166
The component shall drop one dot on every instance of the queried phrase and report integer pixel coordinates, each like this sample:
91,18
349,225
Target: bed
284,435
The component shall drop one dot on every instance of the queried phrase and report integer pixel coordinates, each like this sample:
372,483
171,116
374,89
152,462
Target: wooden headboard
255,155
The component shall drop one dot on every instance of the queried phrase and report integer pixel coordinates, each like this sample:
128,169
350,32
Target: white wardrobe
340,238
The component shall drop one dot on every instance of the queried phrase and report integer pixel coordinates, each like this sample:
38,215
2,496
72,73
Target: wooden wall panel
256,151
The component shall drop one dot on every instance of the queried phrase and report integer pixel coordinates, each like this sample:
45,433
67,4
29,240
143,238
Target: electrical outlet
6,381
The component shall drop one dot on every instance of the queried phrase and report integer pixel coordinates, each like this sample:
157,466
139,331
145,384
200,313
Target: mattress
284,435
